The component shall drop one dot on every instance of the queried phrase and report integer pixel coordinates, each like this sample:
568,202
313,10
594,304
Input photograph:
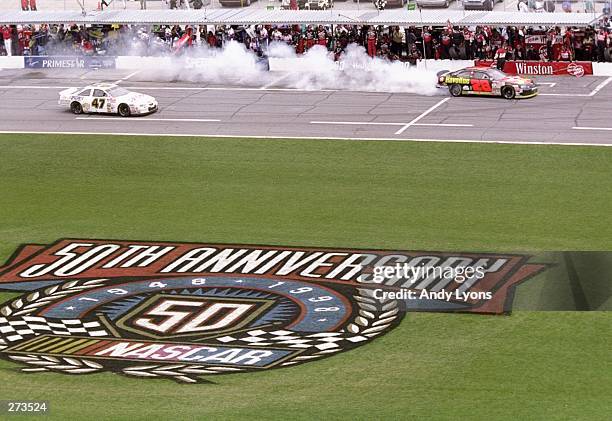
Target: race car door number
98,103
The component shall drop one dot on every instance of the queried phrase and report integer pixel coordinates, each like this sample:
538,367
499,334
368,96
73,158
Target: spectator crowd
391,42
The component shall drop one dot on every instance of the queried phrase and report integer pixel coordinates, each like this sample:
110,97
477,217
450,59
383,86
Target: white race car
107,98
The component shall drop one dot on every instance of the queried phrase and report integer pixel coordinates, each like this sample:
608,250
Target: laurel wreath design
32,302
373,318
63,364
29,304
375,315
179,372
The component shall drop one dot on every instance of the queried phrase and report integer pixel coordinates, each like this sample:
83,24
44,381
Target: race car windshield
118,91
496,74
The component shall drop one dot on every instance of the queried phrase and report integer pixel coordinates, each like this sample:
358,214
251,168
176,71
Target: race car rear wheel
123,110
508,92
76,107
455,90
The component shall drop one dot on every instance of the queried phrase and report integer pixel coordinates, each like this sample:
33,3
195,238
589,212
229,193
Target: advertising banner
68,62
546,68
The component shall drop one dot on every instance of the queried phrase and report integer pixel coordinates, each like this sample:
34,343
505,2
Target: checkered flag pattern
322,341
18,328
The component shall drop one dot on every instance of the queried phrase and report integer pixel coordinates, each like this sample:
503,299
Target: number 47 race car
107,98
486,81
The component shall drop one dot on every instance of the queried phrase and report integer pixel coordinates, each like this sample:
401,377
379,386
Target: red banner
546,68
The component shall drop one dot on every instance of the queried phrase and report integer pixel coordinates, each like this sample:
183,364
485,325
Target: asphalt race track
568,110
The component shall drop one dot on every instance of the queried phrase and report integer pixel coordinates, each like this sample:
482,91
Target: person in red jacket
300,45
310,40
87,47
322,35
428,41
7,34
446,43
437,50
189,33
371,38
500,56
601,37
211,39
565,54
33,5
568,38
21,42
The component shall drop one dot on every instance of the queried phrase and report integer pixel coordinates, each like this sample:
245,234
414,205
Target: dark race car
486,81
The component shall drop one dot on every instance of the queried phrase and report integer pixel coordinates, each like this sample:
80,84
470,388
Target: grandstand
304,17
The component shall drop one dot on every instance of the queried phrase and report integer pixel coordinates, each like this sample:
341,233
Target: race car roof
102,85
247,16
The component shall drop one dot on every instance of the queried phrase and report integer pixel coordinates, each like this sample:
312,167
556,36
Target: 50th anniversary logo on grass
185,311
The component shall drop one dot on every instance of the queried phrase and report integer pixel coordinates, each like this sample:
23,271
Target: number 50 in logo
168,316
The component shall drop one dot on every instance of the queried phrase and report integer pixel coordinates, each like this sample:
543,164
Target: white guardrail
602,69
276,64
14,62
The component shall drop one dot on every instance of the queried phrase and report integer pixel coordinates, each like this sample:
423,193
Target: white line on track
33,87
443,125
277,80
550,84
223,88
281,137
117,82
593,128
568,95
357,123
600,86
376,123
420,116
199,120
184,88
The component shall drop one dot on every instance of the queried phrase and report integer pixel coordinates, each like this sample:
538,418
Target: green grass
531,365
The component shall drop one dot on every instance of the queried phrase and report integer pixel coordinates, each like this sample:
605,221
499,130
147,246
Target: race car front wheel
76,108
123,110
455,90
508,92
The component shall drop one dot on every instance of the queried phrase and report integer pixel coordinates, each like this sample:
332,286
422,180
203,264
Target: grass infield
410,196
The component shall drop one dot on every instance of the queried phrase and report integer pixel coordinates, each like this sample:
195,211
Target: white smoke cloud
281,50
315,70
356,71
